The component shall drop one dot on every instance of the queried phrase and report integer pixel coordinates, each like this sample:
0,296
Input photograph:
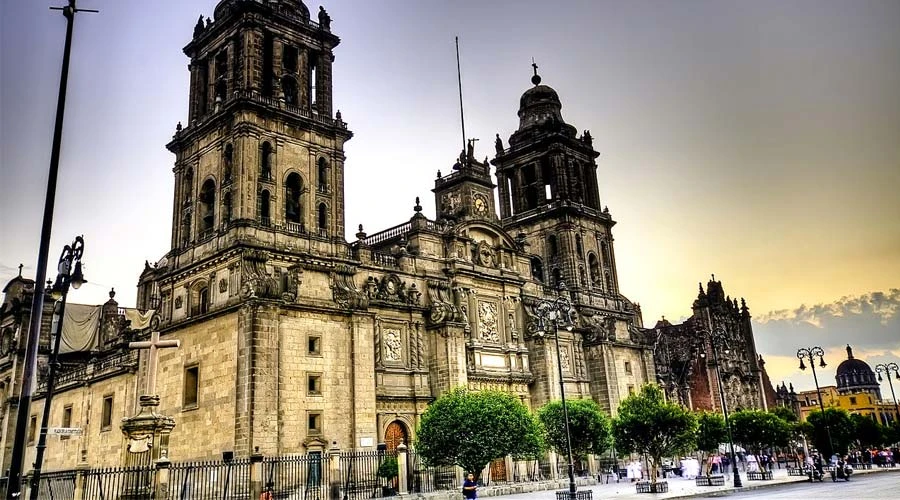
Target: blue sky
754,140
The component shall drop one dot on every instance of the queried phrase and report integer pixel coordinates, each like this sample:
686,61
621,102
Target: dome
855,375
540,112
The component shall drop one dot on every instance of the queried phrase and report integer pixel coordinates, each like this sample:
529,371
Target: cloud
870,323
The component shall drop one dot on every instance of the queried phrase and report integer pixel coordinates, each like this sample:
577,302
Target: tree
784,413
757,430
839,426
711,432
869,433
589,427
648,425
469,429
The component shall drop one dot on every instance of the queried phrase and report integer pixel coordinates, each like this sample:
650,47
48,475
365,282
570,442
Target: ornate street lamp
811,353
555,313
69,274
718,338
887,369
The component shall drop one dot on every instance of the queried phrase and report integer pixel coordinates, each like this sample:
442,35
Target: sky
759,141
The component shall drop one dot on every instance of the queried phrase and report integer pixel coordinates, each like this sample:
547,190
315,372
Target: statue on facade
324,19
498,145
198,28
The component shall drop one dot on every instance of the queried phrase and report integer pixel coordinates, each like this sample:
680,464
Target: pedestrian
470,487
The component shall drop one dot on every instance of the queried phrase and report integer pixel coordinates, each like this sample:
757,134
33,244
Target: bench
759,476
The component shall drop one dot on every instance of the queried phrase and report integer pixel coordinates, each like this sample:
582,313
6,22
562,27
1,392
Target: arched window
578,248
323,175
289,90
537,269
604,247
200,300
552,247
228,162
207,207
293,188
582,276
323,218
594,267
557,277
226,207
265,161
264,209
186,229
187,187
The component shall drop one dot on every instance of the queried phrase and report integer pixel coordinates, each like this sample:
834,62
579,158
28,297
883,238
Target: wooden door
395,434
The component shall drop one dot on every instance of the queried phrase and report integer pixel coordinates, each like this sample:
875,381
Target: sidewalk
678,488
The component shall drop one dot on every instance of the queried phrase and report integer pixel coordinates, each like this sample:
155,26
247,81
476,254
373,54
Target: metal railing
111,483
359,475
425,479
209,480
298,477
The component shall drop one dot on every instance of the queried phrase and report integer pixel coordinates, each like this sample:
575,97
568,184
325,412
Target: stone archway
395,434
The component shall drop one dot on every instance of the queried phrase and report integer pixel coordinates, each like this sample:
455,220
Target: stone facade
685,362
292,338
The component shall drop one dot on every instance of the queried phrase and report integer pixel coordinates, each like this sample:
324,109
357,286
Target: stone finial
438,174
178,127
112,293
20,269
361,235
849,352
417,207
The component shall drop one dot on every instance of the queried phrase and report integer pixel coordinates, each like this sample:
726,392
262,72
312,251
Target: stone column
146,442
162,478
403,469
80,478
334,462
256,474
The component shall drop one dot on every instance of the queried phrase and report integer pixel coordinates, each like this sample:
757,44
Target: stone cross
153,345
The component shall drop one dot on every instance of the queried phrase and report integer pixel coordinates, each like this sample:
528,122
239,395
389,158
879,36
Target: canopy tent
81,326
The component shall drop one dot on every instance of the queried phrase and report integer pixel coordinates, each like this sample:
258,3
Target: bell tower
261,159
548,191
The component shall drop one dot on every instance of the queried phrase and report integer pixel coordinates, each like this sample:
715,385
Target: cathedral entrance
395,434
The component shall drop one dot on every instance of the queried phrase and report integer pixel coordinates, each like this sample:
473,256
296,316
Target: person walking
470,487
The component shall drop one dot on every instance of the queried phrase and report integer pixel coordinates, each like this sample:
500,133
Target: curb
725,493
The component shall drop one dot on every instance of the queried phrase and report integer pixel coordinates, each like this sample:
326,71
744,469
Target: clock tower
468,192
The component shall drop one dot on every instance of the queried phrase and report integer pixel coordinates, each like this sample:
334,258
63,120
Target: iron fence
213,480
425,479
57,485
298,477
112,483
360,478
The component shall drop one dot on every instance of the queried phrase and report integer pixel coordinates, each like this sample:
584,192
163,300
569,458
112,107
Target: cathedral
293,339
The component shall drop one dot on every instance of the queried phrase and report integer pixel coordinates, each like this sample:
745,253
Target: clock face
480,205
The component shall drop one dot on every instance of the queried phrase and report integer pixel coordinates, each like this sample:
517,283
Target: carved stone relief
487,322
565,359
484,254
393,345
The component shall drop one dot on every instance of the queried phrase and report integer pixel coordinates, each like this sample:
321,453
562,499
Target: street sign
65,431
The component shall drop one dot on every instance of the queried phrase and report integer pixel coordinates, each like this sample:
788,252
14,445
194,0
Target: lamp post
887,369
719,339
69,274
17,456
559,311
811,353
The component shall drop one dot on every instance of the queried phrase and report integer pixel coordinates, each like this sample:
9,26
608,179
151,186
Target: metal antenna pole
14,484
462,118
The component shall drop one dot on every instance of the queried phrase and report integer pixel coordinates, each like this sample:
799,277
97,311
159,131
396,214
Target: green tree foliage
840,427
868,432
784,413
892,433
648,425
589,427
469,429
711,432
758,430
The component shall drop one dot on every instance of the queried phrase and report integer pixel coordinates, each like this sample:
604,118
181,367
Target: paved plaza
864,484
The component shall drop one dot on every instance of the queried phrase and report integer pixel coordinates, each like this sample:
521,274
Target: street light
887,369
811,353
559,311
69,273
719,338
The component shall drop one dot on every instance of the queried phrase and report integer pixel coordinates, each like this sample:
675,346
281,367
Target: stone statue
587,138
324,19
498,145
198,28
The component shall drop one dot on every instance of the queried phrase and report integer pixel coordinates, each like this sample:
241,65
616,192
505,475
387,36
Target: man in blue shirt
470,487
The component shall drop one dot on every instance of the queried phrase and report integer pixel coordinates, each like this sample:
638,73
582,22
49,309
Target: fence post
554,468
256,474
161,489
26,484
81,470
334,458
403,469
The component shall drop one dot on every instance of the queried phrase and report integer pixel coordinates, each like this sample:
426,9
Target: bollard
161,489
403,468
256,474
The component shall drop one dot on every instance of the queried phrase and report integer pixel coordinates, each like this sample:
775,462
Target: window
66,419
594,266
579,249
311,83
264,210
32,428
289,61
852,400
228,162
314,344
293,188
314,384
289,90
537,269
630,390
265,161
191,386
323,175
551,246
106,415
314,422
628,367
226,208
207,207
323,218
